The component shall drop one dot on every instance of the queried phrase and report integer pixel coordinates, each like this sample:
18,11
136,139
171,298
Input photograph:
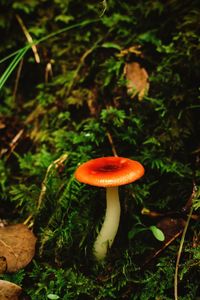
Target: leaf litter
17,246
137,80
9,290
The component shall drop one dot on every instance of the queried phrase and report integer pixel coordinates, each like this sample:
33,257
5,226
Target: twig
155,214
181,245
111,143
16,138
29,39
17,78
13,144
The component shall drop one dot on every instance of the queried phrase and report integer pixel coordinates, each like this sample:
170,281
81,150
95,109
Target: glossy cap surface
109,171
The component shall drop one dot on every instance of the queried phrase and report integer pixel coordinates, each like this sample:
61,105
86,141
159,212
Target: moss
75,103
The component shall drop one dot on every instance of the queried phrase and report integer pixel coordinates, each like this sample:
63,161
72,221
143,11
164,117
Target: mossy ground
73,106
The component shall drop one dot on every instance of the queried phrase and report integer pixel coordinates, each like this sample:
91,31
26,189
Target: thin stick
181,247
17,78
112,144
13,144
29,38
154,214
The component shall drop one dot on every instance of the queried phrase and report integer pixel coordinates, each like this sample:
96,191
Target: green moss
75,103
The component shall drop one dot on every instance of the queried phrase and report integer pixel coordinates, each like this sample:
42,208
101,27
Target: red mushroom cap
109,171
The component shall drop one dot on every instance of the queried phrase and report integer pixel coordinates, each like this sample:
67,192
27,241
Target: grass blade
12,65
21,52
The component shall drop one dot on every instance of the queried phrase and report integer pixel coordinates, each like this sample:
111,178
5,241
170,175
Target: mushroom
109,172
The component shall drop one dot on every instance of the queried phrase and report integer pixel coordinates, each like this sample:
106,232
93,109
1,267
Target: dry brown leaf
17,245
9,290
137,80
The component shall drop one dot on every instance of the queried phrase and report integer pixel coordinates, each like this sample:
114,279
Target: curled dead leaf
17,245
9,290
137,80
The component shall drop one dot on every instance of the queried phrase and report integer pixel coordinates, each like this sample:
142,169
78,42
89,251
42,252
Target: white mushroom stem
110,225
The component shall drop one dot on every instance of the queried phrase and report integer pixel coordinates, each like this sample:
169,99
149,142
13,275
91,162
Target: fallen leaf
137,80
17,245
9,290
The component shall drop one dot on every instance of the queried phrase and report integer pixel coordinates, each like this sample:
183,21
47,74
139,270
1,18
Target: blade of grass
21,52
11,55
35,42
74,26
12,66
